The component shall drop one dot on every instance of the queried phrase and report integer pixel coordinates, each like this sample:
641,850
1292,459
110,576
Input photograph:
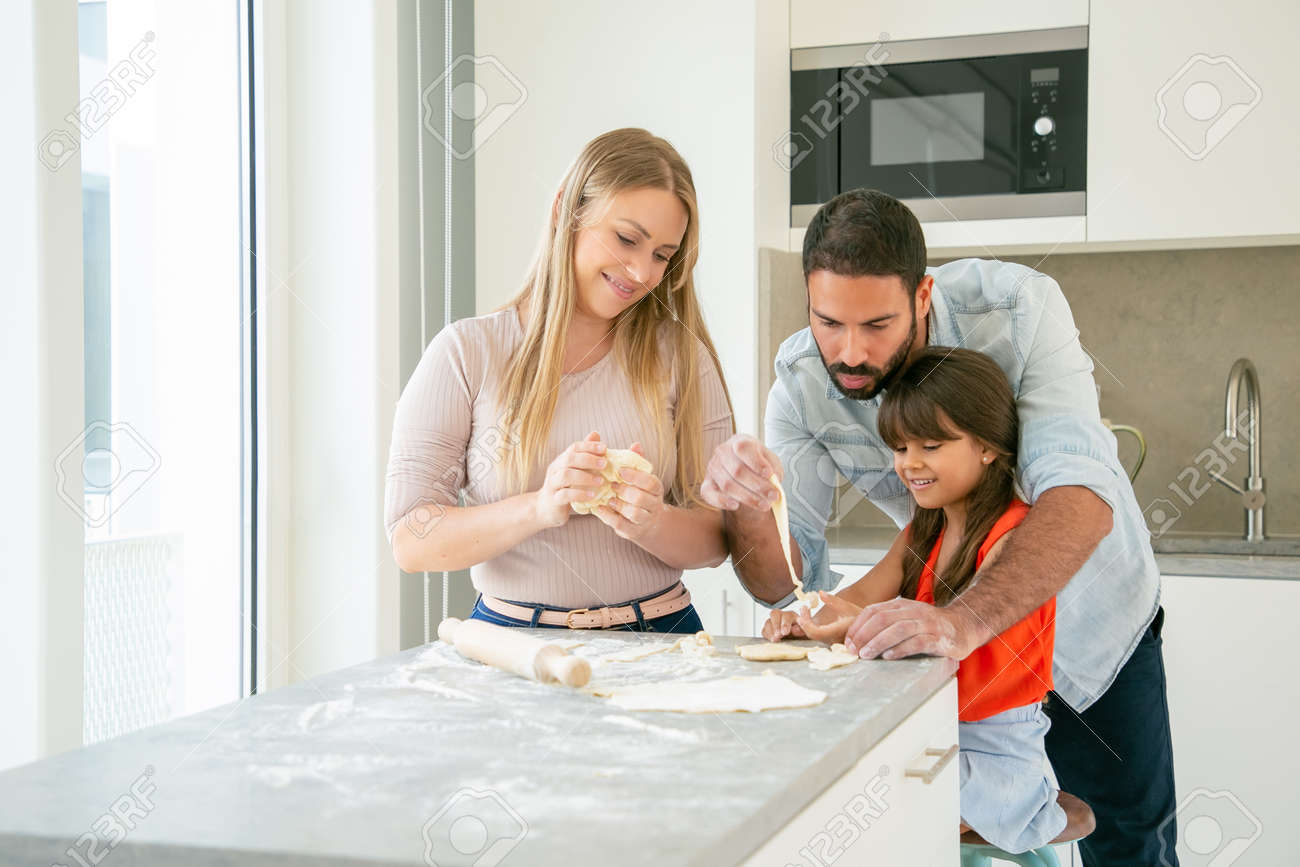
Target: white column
41,536
330,283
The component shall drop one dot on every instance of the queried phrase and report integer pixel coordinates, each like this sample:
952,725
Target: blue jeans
685,621
1118,757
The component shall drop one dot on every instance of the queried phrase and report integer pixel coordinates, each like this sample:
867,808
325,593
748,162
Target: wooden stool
1079,823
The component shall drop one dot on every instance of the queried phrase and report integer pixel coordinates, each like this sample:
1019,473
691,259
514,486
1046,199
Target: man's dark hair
861,232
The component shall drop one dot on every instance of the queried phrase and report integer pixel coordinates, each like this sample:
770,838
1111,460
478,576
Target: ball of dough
615,460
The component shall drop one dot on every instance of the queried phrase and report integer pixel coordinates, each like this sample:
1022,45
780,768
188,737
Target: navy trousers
1118,757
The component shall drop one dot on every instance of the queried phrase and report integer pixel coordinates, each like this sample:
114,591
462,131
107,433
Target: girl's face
941,472
622,255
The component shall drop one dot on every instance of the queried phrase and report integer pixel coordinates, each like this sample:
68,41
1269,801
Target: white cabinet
1193,120
815,23
723,605
877,813
1234,702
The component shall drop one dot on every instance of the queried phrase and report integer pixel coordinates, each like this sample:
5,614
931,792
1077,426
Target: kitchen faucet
1252,494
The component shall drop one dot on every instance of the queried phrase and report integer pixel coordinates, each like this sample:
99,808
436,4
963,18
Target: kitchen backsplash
1163,329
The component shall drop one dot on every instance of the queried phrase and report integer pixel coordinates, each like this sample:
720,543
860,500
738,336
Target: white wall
684,70
329,271
40,244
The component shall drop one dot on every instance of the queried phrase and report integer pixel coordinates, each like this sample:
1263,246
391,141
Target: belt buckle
568,618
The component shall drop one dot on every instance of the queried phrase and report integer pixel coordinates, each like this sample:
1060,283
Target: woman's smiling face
622,254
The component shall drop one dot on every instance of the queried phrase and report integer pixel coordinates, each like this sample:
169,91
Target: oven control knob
1044,125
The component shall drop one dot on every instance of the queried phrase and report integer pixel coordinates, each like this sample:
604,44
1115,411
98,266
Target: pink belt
671,601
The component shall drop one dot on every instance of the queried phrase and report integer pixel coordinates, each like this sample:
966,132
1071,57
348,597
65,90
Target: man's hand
738,474
905,627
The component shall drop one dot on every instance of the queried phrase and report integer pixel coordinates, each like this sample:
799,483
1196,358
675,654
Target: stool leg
1044,857
982,856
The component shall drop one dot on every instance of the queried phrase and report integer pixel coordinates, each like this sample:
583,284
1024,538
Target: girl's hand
573,476
637,506
832,621
783,624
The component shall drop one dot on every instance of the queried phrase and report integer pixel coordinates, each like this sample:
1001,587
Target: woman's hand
572,477
638,504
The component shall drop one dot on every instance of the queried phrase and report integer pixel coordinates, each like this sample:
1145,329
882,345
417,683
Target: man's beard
881,378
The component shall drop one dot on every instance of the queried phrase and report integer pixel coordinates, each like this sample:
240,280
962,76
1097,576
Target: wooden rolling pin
515,652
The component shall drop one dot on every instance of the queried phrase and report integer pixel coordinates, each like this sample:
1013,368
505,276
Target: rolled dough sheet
782,512
641,651
615,460
772,651
826,658
725,695
699,644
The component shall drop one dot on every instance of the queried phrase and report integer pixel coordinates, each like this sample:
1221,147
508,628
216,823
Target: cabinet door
877,814
1234,699
815,23
1193,119
723,605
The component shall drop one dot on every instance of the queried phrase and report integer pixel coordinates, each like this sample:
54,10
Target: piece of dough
699,644
772,651
615,460
782,513
826,658
726,695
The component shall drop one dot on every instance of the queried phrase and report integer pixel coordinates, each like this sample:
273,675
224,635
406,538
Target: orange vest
1013,669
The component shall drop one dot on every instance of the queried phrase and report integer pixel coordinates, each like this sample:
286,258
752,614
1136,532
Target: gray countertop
864,546
371,763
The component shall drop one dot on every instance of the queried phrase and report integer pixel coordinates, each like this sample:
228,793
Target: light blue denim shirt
1020,318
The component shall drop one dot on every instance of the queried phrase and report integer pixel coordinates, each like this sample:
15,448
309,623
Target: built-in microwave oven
962,128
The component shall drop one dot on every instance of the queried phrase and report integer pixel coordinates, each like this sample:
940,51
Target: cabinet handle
927,776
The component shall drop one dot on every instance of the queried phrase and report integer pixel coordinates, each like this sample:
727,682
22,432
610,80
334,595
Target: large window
161,484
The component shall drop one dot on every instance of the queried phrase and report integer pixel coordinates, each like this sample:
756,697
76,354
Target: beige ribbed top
446,435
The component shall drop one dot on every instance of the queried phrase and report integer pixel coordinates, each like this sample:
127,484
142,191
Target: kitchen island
428,758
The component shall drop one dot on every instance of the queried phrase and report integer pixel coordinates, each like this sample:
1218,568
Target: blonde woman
604,347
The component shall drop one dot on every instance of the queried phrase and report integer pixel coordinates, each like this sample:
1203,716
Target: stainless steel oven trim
946,48
1002,206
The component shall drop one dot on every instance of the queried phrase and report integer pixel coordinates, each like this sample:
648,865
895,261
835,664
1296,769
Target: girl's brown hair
623,159
942,392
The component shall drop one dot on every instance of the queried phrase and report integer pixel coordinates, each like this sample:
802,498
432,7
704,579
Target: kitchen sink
1205,543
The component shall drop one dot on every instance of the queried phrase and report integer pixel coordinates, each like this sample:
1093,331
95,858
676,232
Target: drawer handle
927,776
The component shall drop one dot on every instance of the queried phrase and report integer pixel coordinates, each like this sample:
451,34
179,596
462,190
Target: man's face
865,328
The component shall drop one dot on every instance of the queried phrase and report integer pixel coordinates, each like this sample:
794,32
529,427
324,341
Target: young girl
951,421
604,344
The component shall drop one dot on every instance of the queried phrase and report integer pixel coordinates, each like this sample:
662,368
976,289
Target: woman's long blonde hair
624,159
